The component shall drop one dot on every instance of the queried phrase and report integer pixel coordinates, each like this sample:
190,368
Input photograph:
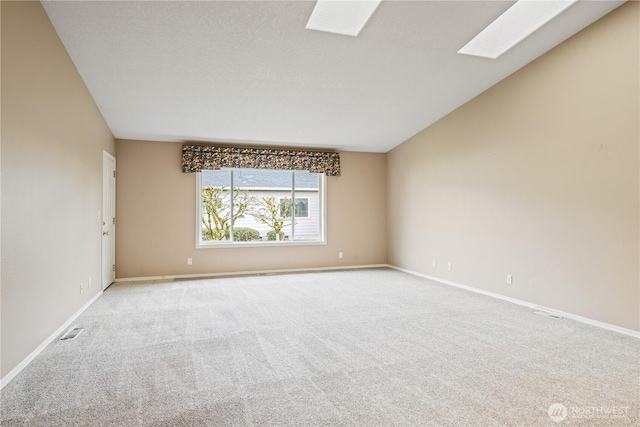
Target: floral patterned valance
205,157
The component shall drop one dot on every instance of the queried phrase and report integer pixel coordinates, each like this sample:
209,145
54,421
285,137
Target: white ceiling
249,72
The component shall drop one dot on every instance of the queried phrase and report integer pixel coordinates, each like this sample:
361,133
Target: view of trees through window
244,205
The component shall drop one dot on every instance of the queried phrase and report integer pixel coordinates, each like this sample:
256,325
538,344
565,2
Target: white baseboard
15,371
249,273
603,325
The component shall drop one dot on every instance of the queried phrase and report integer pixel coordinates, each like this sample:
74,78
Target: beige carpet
363,347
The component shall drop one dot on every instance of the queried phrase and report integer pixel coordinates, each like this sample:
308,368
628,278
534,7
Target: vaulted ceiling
249,72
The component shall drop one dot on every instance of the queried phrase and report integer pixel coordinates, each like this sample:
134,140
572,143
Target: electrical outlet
509,279
81,287
339,254
449,266
189,261
433,263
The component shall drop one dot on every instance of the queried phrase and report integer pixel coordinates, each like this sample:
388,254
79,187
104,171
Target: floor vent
72,334
547,314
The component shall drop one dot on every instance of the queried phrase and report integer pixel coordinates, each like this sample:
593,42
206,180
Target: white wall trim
15,371
250,273
603,325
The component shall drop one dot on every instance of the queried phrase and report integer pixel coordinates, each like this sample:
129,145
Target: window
253,207
301,207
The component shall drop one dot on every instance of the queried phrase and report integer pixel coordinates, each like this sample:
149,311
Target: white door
108,219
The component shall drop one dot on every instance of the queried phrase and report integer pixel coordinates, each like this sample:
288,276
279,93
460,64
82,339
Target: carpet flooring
352,348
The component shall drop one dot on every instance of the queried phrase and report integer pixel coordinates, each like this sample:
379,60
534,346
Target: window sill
270,244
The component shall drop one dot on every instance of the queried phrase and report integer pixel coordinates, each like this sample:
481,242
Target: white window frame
200,244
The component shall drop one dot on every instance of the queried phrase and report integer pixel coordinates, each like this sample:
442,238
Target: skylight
516,24
346,17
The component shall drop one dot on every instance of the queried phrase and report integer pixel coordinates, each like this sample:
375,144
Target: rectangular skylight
516,24
346,17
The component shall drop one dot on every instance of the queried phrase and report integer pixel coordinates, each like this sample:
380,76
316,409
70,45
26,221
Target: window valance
196,158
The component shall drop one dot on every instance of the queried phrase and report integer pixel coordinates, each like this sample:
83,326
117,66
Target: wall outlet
433,263
189,261
509,279
449,266
81,287
339,254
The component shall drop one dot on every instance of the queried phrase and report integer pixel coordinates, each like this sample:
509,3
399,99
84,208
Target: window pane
307,206
302,207
244,229
216,205
269,194
216,178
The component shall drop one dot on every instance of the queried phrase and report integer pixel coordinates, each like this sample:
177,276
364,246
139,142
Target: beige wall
52,141
538,178
156,205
